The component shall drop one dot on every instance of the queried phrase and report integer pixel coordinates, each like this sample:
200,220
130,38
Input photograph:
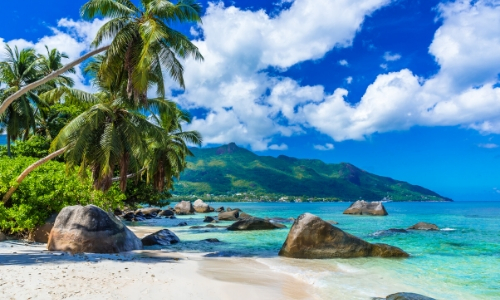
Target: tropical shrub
47,190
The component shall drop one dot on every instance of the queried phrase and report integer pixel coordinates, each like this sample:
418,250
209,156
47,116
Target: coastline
29,271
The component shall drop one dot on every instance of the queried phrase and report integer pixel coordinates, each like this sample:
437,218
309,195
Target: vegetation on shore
121,145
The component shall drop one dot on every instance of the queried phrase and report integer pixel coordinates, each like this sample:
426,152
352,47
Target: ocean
460,261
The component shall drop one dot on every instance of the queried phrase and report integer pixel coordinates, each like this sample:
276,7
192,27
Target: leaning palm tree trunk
28,170
47,78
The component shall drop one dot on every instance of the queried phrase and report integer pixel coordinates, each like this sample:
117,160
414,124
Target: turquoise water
461,261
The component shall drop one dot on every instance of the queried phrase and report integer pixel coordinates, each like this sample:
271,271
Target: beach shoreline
29,271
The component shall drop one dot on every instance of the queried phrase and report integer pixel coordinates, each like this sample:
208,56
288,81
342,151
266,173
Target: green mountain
229,170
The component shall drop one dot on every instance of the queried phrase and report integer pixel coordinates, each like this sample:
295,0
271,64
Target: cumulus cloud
278,147
244,103
326,147
388,56
70,37
343,62
349,80
463,92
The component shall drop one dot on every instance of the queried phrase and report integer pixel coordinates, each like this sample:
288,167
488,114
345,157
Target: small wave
447,229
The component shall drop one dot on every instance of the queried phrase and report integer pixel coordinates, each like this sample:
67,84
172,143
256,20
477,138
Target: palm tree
114,134
141,38
19,68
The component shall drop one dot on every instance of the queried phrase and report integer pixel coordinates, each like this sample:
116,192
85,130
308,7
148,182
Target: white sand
31,272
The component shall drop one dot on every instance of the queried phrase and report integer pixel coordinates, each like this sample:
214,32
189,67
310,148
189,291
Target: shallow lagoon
461,261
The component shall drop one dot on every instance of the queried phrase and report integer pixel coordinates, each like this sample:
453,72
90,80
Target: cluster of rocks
146,214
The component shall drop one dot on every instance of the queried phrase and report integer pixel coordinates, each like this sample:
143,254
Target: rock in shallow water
90,229
162,237
362,207
229,216
311,237
208,219
254,224
3,237
424,226
200,206
405,296
184,208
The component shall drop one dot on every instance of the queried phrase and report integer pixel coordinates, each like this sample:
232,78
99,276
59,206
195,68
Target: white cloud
70,37
249,106
383,66
343,62
488,146
388,56
462,92
278,147
327,146
349,80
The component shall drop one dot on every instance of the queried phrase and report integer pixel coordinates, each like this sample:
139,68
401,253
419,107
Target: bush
36,146
44,191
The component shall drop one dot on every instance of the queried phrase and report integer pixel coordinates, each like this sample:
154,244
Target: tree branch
47,78
28,170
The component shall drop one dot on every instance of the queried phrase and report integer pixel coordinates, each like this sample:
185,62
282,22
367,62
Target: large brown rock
200,206
41,233
424,226
90,229
229,216
361,207
184,208
254,224
311,237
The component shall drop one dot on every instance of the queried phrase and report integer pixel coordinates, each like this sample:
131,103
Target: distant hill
230,169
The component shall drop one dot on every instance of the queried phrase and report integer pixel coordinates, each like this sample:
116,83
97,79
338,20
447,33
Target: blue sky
406,89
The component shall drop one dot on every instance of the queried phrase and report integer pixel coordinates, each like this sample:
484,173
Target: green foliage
45,191
36,146
230,170
139,192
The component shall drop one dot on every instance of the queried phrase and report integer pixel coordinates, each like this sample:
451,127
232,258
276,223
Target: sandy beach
29,271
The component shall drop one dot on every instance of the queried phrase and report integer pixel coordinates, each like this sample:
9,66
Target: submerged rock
166,213
388,232
90,229
184,208
254,224
332,222
220,209
200,206
362,207
311,237
182,224
405,296
424,226
162,237
208,219
229,216
212,240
